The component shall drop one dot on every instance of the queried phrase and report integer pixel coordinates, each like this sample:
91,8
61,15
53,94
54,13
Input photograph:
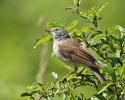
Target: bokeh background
22,22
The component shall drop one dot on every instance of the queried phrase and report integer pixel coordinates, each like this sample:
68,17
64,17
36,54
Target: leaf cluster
108,45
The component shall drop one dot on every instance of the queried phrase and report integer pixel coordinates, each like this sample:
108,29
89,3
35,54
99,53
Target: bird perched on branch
73,53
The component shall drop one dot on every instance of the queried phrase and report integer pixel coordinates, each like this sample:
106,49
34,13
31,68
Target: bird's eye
56,29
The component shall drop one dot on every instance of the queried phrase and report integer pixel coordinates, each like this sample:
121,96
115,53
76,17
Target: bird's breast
57,53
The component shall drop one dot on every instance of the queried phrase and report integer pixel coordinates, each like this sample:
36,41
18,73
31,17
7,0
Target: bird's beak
47,30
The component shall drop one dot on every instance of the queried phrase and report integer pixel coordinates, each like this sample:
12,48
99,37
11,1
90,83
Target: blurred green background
22,22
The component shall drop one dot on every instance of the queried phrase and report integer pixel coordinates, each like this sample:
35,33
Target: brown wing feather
75,51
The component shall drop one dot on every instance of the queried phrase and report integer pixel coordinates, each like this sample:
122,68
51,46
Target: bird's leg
80,72
64,78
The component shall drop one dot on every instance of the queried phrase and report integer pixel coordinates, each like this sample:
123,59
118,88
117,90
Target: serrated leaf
73,24
103,86
42,39
54,24
25,94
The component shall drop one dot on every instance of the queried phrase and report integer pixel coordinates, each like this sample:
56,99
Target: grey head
58,33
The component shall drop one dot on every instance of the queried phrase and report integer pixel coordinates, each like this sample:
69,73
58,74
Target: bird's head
58,33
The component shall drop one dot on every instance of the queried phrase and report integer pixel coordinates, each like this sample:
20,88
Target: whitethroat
73,53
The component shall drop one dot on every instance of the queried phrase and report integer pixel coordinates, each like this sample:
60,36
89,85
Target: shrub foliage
109,45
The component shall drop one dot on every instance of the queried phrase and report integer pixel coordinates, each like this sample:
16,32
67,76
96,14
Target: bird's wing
71,49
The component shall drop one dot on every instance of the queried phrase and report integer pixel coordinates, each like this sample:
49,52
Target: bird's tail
97,73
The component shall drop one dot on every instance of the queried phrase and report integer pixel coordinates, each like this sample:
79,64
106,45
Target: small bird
73,53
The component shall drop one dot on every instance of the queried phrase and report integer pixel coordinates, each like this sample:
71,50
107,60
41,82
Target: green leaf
78,2
75,33
97,36
103,40
91,12
33,92
101,6
113,97
33,87
118,53
103,86
65,95
75,4
85,29
109,70
97,97
73,24
94,98
36,83
42,39
115,27
73,95
48,98
25,94
83,14
72,78
54,24
116,39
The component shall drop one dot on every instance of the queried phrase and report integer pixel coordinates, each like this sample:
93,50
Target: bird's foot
80,73
64,79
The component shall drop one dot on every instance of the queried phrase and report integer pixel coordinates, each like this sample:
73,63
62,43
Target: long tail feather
97,73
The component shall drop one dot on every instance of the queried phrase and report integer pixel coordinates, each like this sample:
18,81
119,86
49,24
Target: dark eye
56,29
